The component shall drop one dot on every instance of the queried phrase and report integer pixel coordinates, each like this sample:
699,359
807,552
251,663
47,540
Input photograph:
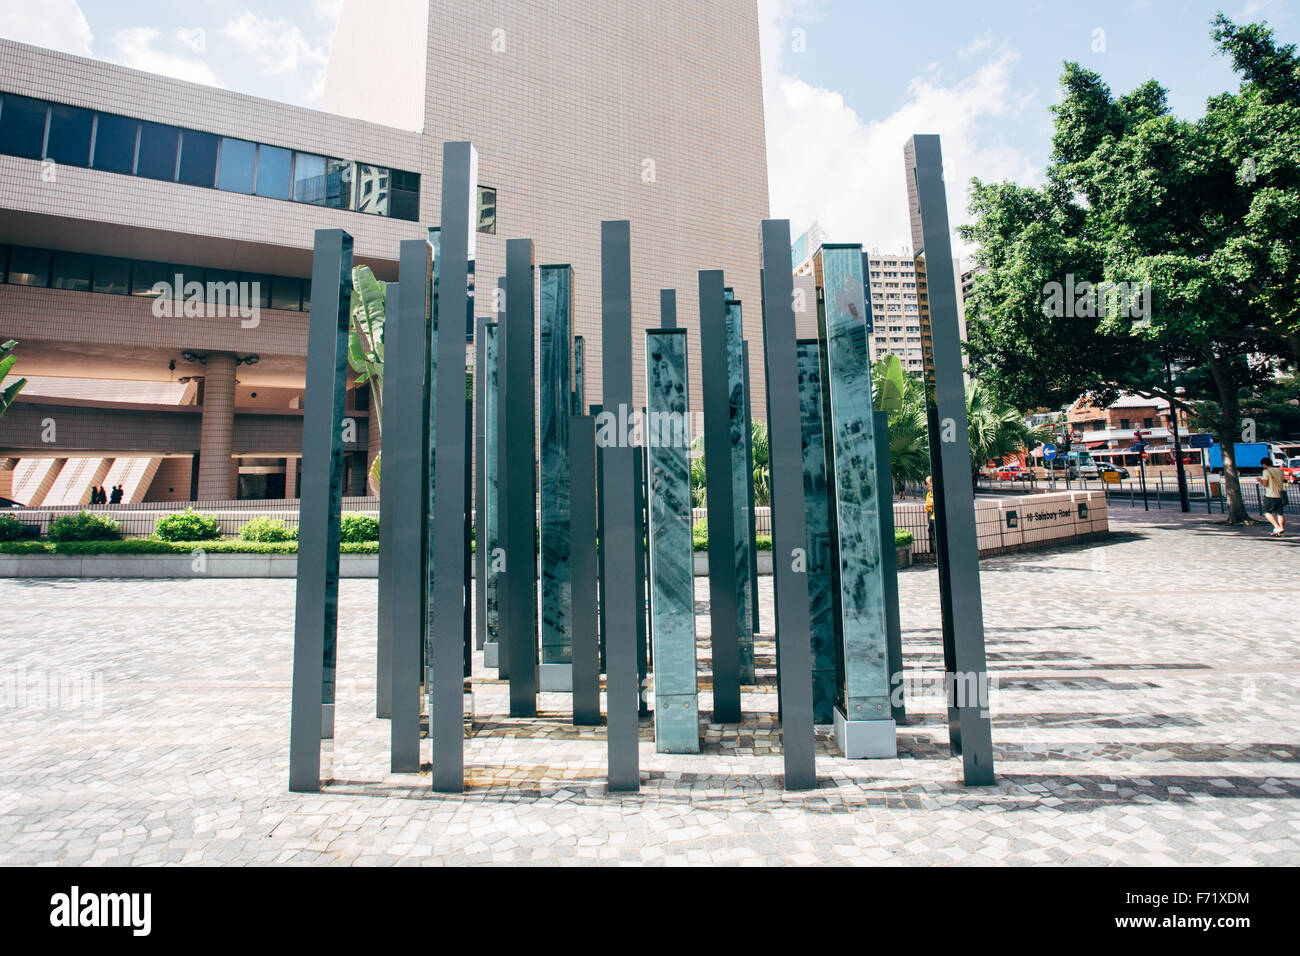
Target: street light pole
1178,448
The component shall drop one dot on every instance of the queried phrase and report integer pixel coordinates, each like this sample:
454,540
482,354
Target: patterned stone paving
1145,712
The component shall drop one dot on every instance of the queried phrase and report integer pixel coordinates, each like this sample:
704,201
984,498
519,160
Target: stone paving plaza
1146,713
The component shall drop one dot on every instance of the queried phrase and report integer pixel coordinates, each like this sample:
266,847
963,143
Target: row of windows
79,272
72,136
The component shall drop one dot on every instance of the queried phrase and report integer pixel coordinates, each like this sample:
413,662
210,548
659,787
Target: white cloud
328,10
53,24
978,45
278,46
196,39
826,163
135,47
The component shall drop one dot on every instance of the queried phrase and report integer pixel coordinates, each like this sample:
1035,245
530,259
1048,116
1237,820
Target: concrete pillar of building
217,433
291,477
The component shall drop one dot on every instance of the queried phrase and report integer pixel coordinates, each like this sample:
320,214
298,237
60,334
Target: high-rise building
113,180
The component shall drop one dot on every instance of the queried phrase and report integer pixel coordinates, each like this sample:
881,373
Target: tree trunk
1229,429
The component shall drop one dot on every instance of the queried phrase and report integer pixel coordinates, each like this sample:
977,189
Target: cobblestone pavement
1145,713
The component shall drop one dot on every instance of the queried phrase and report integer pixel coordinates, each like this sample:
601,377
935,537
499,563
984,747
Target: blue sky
845,81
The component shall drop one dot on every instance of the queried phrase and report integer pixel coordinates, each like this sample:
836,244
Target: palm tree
762,472
995,429
366,342
903,397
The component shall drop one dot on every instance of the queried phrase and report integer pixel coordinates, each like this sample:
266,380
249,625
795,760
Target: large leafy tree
1205,214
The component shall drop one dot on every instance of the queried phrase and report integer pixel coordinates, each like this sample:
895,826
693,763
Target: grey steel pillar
618,522
315,631
480,484
966,669
672,576
555,400
488,540
894,644
724,617
821,616
497,652
388,519
518,482
789,539
449,498
749,491
579,377
864,725
405,478
742,487
667,308
582,562
640,578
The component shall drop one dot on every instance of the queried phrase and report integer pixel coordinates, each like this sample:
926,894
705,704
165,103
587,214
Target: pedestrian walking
929,511
1274,508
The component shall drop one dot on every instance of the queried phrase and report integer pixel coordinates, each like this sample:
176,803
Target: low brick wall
1018,522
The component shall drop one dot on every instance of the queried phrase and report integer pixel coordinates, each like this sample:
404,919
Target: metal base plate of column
556,678
860,739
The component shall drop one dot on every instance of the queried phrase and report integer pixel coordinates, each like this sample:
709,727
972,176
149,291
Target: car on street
1107,466
1291,471
1012,473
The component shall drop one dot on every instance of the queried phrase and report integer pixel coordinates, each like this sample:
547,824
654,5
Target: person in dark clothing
116,498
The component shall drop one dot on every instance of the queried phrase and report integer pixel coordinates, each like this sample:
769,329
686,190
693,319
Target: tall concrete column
218,429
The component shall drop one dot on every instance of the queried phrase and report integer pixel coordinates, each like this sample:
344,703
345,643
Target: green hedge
83,526
700,538
357,528
155,546
187,525
902,537
11,529
264,530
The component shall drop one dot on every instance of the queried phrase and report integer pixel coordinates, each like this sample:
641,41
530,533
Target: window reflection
112,275
372,189
115,143
158,146
309,178
238,160
28,266
273,165
71,271
69,139
22,126
198,158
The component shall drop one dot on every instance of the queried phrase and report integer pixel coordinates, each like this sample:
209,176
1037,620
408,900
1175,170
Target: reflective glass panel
309,178
22,126
286,293
112,275
238,159
198,158
69,141
28,266
158,146
404,190
372,189
115,143
71,271
145,274
262,293
338,183
273,164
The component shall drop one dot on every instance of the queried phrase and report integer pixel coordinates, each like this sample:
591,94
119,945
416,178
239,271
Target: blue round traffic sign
1049,452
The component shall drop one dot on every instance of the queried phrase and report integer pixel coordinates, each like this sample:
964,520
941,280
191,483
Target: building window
338,183
1146,422
1125,423
158,149
404,194
237,163
112,275
273,167
261,296
71,272
69,139
22,126
115,138
198,158
218,288
309,178
372,189
28,266
286,293
146,275
487,209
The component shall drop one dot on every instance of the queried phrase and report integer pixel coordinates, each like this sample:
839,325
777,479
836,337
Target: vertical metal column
480,484
405,477
672,576
579,376
954,499
488,541
555,400
499,656
863,723
315,631
387,524
724,622
582,562
619,521
667,308
642,568
789,540
449,567
889,556
749,491
821,617
741,471
518,481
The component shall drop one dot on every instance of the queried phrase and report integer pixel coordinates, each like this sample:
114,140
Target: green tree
8,392
995,429
902,396
1201,216
366,342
